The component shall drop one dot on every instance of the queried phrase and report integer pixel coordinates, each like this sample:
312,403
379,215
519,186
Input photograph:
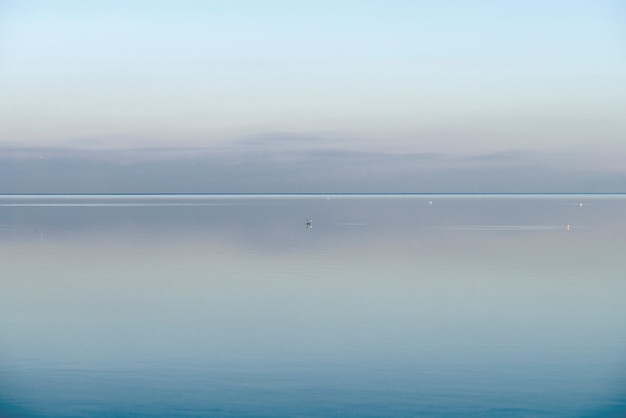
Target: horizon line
322,194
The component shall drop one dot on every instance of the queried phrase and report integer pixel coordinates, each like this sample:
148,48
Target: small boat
309,223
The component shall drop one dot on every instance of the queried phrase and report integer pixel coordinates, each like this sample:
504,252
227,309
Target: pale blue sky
451,77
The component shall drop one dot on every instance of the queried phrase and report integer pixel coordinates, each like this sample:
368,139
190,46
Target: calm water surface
389,306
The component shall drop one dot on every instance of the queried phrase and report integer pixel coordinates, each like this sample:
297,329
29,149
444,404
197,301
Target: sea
313,305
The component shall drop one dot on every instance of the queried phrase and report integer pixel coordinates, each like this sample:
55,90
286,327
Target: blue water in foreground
390,305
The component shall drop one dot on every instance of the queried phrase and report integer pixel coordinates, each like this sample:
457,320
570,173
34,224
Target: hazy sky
544,81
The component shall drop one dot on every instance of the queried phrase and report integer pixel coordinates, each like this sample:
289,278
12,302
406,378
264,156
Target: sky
251,96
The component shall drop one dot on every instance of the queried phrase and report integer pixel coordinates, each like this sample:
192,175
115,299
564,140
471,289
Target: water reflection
230,305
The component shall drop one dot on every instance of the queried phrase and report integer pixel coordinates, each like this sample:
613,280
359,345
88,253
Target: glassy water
229,305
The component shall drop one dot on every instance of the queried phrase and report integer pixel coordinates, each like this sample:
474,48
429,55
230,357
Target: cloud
272,168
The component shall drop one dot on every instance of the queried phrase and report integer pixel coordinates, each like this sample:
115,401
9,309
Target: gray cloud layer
274,169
